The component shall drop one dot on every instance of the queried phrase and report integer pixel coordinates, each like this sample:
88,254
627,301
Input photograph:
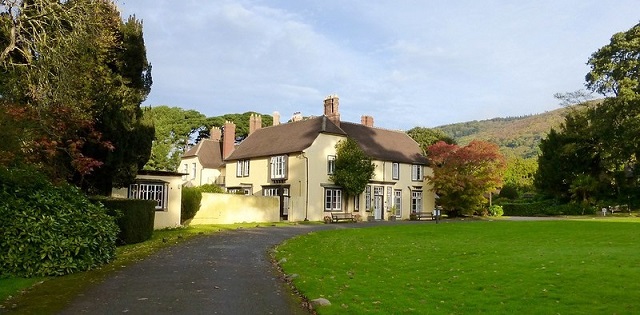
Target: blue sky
406,63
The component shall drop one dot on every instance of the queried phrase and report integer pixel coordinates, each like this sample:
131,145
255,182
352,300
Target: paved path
223,273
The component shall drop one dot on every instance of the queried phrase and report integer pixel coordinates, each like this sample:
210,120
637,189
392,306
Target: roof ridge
375,127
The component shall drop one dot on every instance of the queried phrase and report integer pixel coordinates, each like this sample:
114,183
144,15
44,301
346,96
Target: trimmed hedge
50,230
545,208
191,198
135,218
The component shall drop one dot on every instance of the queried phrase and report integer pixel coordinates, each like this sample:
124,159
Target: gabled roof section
283,139
209,153
385,145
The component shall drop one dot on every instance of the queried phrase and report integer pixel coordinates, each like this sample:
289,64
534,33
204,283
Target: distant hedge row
545,208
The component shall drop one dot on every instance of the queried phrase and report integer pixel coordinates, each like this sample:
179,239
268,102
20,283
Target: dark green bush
545,208
49,230
134,217
509,192
191,198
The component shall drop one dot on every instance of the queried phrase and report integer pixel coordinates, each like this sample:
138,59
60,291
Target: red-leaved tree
462,176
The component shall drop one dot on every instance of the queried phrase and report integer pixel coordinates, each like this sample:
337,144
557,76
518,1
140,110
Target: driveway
223,273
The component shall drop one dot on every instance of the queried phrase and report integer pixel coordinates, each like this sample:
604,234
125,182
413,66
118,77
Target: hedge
545,208
135,218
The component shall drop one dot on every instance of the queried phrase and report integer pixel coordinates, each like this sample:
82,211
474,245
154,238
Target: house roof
384,144
208,152
284,138
379,144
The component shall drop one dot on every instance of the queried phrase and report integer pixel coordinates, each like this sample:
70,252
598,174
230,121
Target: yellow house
295,161
163,187
203,164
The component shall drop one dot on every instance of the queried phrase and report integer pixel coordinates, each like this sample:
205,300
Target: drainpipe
306,199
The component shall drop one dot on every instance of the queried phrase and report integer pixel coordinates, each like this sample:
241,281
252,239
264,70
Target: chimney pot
276,118
215,134
367,120
331,108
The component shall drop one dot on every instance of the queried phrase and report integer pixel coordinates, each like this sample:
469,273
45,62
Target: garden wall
230,208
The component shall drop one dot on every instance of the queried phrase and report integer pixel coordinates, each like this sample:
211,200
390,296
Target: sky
407,63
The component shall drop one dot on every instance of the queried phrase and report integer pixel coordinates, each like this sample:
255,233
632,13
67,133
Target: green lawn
50,295
500,267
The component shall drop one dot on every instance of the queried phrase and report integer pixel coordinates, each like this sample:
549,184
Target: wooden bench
342,216
424,214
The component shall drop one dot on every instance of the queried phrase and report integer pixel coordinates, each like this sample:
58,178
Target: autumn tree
353,168
463,176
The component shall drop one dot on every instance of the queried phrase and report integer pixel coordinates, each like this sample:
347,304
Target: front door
284,203
378,201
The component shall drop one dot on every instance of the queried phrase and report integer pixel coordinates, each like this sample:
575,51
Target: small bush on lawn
50,230
191,198
135,218
496,211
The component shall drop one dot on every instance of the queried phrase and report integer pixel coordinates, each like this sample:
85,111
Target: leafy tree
463,175
353,168
427,136
74,75
614,67
595,152
174,128
520,173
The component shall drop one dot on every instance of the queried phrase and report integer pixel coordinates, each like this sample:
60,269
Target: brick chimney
215,134
255,123
367,120
229,139
276,118
331,111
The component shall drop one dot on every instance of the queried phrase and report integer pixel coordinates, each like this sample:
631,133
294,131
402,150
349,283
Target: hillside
516,136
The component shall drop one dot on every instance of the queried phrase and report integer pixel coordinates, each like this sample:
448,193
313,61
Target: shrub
496,211
134,217
509,192
211,188
191,198
546,208
50,230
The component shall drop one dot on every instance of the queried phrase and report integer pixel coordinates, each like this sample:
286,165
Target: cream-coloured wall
317,154
170,217
230,208
203,175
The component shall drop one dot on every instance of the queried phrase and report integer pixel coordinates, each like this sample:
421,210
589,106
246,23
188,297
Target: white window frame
242,168
186,171
331,164
278,167
270,191
395,171
356,203
367,198
397,201
332,199
150,191
194,167
416,201
417,172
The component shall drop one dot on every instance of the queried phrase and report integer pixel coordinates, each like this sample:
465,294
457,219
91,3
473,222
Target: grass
546,267
51,295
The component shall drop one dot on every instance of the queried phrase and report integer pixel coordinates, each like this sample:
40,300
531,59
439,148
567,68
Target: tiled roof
379,144
209,153
385,145
283,139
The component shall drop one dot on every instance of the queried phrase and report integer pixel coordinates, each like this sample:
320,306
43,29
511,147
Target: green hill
516,136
